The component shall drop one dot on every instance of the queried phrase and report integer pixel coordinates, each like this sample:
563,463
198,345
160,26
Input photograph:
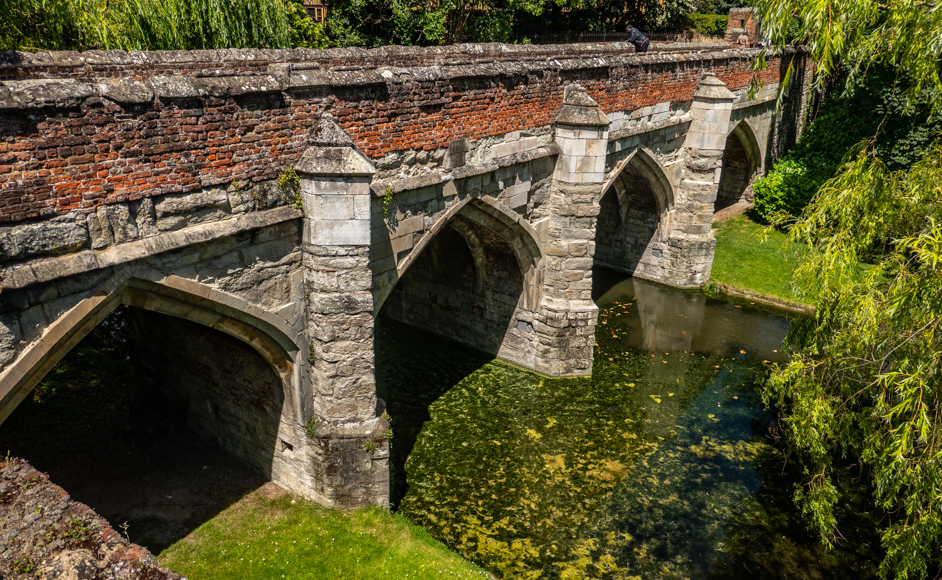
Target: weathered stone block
338,232
59,235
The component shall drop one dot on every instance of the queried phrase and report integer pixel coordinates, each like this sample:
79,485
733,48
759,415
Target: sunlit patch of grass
259,538
749,256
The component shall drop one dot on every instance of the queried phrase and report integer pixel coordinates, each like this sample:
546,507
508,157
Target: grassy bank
278,535
754,260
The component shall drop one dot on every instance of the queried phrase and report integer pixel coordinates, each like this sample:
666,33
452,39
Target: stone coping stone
44,533
66,79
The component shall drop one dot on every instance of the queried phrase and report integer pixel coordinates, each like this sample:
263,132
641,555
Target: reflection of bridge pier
665,327
465,190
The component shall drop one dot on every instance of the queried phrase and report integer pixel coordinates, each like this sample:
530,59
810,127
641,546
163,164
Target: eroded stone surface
44,533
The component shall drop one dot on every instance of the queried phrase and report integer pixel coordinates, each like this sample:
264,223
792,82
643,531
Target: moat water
663,464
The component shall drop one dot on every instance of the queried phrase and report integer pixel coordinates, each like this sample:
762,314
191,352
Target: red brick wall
57,160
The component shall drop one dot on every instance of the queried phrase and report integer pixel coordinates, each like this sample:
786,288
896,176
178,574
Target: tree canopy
144,24
201,24
848,36
862,393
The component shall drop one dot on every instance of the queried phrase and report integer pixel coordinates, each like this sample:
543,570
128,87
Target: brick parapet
46,534
65,147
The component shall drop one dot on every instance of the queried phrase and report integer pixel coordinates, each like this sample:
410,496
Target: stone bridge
257,210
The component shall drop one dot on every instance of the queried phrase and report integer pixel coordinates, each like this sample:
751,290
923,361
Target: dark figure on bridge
638,39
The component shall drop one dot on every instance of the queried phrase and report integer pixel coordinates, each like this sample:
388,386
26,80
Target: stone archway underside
472,282
741,162
257,433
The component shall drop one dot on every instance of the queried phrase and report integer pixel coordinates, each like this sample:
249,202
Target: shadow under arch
634,211
491,214
169,295
742,160
472,280
195,409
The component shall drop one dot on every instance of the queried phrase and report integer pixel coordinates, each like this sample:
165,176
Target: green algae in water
656,467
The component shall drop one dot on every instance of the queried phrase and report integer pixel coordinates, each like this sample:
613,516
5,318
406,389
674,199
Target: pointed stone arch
747,136
645,163
635,211
474,277
490,213
170,295
742,160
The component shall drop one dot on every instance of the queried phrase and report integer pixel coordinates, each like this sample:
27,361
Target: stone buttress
567,314
348,457
691,242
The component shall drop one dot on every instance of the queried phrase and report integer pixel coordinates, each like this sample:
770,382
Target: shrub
708,24
874,110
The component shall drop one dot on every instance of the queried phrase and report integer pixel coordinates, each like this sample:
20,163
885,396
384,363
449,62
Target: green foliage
370,447
25,565
310,428
388,434
290,185
902,129
182,24
787,189
865,382
855,35
721,6
143,24
708,24
386,200
305,33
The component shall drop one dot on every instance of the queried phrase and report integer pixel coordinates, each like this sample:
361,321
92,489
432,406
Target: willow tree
864,386
144,24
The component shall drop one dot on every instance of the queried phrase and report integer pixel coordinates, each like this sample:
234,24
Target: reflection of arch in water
180,299
635,210
472,278
742,159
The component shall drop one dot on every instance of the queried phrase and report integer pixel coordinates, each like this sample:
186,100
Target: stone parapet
211,64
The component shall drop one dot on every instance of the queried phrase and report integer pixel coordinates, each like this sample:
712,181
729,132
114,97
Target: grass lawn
286,537
750,257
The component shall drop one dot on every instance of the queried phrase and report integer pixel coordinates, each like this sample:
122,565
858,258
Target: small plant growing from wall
290,185
388,434
310,429
386,201
370,447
